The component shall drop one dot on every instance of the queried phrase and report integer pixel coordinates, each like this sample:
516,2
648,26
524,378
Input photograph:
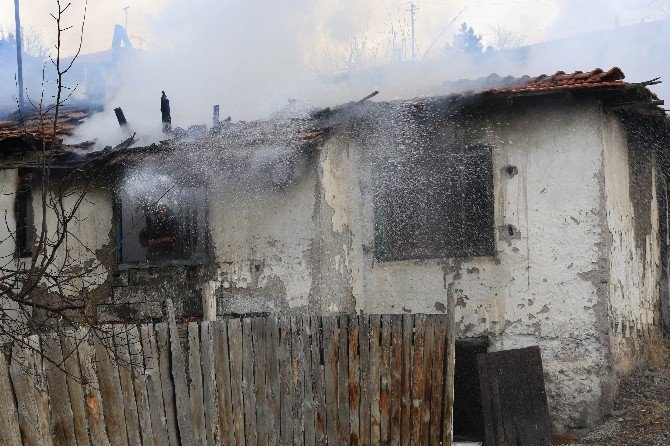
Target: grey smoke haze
251,57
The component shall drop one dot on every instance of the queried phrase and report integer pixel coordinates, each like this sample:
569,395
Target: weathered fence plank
140,385
95,414
406,376
127,388
110,388
250,431
298,372
178,365
258,340
343,380
309,411
385,389
330,338
162,337
71,367
319,386
10,433
195,391
235,340
354,382
221,371
396,381
213,421
417,378
59,397
159,427
41,394
272,376
22,373
365,378
375,379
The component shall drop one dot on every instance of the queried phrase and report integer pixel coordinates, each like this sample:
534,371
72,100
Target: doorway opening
468,416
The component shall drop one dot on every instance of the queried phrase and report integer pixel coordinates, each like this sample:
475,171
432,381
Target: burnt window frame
24,215
382,253
117,208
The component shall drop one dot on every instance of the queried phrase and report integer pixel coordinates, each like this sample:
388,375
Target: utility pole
19,57
125,9
412,12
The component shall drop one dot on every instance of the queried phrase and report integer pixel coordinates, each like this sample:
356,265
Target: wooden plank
159,428
309,411
22,373
343,380
237,402
437,382
167,385
297,365
285,383
127,388
354,382
396,380
375,379
450,364
215,420
110,387
406,376
41,393
184,415
10,433
365,378
59,397
330,343
75,387
487,400
417,381
223,384
140,384
272,379
427,377
385,387
195,392
258,341
318,379
250,426
95,414
517,400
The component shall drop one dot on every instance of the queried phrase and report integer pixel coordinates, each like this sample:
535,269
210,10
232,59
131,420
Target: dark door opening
468,416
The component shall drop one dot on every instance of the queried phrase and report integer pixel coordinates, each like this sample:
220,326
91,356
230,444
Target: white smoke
252,56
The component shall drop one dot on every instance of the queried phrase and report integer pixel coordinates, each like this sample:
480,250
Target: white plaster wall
633,288
9,180
262,238
542,287
89,244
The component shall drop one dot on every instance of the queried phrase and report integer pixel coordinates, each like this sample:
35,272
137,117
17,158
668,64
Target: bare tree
504,39
48,290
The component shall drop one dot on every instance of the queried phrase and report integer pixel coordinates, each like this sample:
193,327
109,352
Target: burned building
544,202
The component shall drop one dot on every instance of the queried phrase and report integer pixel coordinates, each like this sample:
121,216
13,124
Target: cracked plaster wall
549,283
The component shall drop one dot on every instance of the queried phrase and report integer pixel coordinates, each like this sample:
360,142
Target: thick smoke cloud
251,57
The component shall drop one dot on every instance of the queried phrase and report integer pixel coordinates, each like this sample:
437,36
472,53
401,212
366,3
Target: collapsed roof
608,86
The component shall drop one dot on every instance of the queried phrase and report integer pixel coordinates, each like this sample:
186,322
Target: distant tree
504,39
466,42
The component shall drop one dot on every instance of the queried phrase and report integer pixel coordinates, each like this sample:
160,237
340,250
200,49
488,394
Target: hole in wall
510,171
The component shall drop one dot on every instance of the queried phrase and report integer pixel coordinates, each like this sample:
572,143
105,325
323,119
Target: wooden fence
364,380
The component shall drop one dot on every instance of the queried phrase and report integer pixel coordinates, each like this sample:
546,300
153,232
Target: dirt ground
641,414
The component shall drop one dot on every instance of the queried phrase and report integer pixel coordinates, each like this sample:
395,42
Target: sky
530,20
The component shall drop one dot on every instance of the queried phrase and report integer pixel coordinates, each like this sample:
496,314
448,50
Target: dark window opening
468,412
161,223
24,216
435,205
